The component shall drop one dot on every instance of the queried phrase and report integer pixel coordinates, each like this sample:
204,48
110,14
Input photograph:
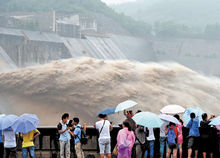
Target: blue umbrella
198,112
7,121
125,105
26,123
107,111
215,121
147,119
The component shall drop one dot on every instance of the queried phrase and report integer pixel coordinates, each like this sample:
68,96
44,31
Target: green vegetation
177,18
183,15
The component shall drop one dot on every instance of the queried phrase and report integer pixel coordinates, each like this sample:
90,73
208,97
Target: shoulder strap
139,140
102,128
81,132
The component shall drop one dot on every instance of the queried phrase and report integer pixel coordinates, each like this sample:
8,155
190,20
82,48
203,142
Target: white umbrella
169,118
1,115
172,109
125,105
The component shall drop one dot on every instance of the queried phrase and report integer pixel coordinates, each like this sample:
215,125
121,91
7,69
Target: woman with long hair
180,135
125,141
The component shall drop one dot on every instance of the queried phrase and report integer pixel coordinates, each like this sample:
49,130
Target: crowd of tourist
138,141
8,143
132,140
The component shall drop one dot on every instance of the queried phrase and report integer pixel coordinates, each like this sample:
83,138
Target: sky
116,1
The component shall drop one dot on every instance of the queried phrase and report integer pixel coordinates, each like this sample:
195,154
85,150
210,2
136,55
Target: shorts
207,144
193,143
173,146
105,146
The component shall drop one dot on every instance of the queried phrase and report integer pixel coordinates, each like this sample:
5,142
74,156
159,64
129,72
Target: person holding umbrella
1,145
28,143
180,135
104,127
26,125
8,135
9,140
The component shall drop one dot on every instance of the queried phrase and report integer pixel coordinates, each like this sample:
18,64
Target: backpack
171,136
84,138
59,127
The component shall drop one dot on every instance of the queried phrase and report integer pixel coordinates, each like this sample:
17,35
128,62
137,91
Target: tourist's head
101,116
204,116
172,124
106,117
138,111
75,120
126,124
65,117
192,115
177,117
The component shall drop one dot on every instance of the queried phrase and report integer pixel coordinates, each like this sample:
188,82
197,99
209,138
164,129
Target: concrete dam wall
5,61
26,48
197,54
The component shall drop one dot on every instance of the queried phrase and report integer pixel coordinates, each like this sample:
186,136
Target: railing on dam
47,144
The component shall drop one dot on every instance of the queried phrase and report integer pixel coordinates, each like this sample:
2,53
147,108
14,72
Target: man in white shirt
151,140
9,139
104,127
163,138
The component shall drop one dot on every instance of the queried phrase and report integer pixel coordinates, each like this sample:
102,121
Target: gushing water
85,86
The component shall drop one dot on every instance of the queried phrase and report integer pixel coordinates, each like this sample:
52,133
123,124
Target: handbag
115,151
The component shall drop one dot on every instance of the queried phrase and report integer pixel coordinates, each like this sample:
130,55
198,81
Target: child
172,134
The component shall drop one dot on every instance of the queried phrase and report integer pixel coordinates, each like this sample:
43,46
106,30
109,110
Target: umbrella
7,121
147,119
125,105
169,118
1,115
26,123
107,111
215,121
197,110
172,109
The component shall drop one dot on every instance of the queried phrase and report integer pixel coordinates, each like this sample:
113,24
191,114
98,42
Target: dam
42,70
86,67
26,48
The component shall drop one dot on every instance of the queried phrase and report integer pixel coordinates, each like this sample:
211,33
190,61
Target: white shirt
151,134
9,139
162,129
105,133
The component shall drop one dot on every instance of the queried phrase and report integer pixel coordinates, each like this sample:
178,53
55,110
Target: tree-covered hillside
197,13
94,8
